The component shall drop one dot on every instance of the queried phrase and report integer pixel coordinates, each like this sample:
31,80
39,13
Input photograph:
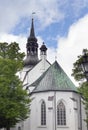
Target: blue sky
61,24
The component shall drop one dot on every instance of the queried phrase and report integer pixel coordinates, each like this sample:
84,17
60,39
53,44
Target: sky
61,24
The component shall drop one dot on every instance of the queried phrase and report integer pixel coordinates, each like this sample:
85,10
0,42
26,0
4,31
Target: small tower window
36,50
33,49
19,128
43,113
61,114
29,49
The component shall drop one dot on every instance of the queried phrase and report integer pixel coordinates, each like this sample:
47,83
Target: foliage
84,91
14,101
77,69
79,75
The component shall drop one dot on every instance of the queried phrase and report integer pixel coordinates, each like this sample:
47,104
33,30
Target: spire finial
33,13
55,58
55,55
32,33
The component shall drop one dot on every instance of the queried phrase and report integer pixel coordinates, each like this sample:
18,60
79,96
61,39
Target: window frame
43,113
61,114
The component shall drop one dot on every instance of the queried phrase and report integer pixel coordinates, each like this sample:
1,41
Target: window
43,113
19,128
61,114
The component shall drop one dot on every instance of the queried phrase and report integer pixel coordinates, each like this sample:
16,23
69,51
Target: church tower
33,67
32,48
43,51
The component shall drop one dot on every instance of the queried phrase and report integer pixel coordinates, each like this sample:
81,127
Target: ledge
42,126
62,126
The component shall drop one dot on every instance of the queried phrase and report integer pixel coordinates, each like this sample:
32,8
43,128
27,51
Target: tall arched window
43,113
61,114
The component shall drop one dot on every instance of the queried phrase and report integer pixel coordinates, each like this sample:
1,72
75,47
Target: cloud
79,5
11,12
71,46
74,8
4,37
47,12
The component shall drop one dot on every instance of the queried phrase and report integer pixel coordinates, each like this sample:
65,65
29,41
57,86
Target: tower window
29,50
33,49
19,128
61,114
36,50
43,113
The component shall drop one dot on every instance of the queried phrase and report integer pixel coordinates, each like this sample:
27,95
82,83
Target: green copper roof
54,79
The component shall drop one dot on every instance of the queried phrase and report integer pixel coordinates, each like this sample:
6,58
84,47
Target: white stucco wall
34,73
37,71
72,111
71,100
84,124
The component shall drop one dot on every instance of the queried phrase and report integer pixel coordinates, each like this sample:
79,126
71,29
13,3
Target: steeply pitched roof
32,33
54,79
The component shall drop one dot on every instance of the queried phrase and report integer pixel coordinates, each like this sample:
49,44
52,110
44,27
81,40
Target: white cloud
51,54
13,38
12,11
71,46
47,11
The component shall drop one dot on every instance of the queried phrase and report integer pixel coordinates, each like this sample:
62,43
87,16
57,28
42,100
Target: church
56,104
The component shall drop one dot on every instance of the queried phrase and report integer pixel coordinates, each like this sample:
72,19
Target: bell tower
43,51
32,48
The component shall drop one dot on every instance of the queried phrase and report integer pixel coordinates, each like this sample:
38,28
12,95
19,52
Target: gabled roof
54,79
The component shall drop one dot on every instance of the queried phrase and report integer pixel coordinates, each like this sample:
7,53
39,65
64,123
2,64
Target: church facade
56,104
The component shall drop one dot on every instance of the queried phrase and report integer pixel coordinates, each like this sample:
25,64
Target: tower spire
32,33
32,48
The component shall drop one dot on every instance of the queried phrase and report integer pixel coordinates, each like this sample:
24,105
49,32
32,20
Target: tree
84,91
14,101
77,71
79,75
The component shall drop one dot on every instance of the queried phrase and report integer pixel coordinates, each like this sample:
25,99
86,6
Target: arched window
61,114
33,49
43,113
19,128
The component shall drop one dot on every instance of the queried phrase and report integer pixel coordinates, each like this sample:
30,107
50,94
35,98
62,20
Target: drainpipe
80,114
55,111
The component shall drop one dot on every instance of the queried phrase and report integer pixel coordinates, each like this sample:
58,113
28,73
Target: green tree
14,101
79,75
77,71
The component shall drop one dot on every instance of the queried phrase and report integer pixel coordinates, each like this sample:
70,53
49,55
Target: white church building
56,104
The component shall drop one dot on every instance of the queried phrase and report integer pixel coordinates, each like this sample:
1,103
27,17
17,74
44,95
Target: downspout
55,111
80,114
